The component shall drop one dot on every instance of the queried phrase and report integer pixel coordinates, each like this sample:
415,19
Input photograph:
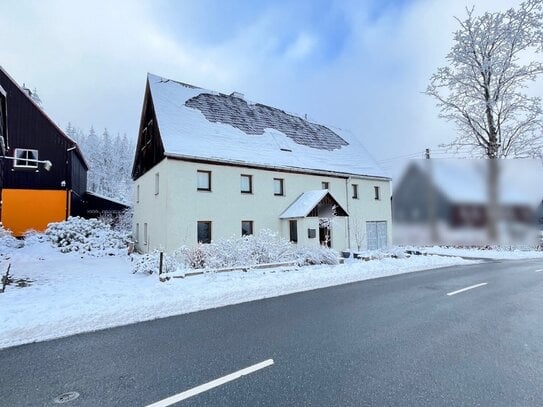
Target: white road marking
208,386
537,271
467,288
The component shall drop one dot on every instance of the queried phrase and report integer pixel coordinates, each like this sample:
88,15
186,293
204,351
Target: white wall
172,215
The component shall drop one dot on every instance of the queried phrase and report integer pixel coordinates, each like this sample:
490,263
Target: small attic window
25,158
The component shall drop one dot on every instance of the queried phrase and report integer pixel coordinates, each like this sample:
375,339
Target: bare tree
482,89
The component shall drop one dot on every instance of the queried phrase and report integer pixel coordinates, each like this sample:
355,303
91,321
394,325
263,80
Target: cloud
342,63
302,47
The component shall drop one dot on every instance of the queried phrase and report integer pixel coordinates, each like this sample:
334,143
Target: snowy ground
483,254
70,294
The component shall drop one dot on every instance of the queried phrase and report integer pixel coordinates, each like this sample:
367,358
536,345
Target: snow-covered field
483,254
72,294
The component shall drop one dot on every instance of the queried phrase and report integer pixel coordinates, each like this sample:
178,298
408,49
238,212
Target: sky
358,65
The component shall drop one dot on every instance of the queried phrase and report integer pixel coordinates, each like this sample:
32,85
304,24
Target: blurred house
448,196
539,215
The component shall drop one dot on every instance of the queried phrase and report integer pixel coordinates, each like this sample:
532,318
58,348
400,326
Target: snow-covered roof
306,202
465,181
198,123
107,198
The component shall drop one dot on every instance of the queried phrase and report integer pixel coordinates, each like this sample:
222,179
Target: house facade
210,166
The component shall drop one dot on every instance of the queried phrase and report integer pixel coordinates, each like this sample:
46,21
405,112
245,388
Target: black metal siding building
31,195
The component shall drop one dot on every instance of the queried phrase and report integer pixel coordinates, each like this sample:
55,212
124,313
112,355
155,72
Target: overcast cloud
351,64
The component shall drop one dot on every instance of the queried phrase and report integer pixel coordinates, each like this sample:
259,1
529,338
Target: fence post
160,263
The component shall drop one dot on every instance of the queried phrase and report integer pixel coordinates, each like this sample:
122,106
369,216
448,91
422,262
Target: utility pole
432,209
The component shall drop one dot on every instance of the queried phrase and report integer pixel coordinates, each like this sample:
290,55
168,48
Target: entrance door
325,235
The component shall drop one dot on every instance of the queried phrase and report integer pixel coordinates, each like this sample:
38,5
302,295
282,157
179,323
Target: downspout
68,181
348,213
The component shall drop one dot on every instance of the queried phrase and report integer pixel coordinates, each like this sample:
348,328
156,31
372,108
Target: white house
210,166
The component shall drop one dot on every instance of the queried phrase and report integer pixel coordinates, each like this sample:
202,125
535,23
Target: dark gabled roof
195,123
97,202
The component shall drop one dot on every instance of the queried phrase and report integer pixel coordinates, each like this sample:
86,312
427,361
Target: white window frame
31,163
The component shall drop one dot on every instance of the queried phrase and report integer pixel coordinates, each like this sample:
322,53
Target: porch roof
308,201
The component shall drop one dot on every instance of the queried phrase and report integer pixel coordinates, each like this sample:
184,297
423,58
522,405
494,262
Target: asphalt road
395,341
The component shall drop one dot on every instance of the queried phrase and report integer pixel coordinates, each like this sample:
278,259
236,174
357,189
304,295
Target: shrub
89,236
264,247
317,255
149,263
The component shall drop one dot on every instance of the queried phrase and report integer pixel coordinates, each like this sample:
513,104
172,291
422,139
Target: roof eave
312,171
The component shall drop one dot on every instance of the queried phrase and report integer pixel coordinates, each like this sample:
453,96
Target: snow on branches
110,161
266,247
482,88
89,236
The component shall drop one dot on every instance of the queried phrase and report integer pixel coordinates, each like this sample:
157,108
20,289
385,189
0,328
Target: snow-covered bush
149,263
7,241
316,255
263,247
88,236
191,257
121,222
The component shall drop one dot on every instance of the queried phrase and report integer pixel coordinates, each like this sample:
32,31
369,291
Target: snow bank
71,293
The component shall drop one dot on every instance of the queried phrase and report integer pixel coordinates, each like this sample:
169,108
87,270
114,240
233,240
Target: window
246,184
355,191
246,227
156,183
325,185
137,233
278,187
204,180
293,226
204,232
147,133
26,158
145,235
138,194
376,191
